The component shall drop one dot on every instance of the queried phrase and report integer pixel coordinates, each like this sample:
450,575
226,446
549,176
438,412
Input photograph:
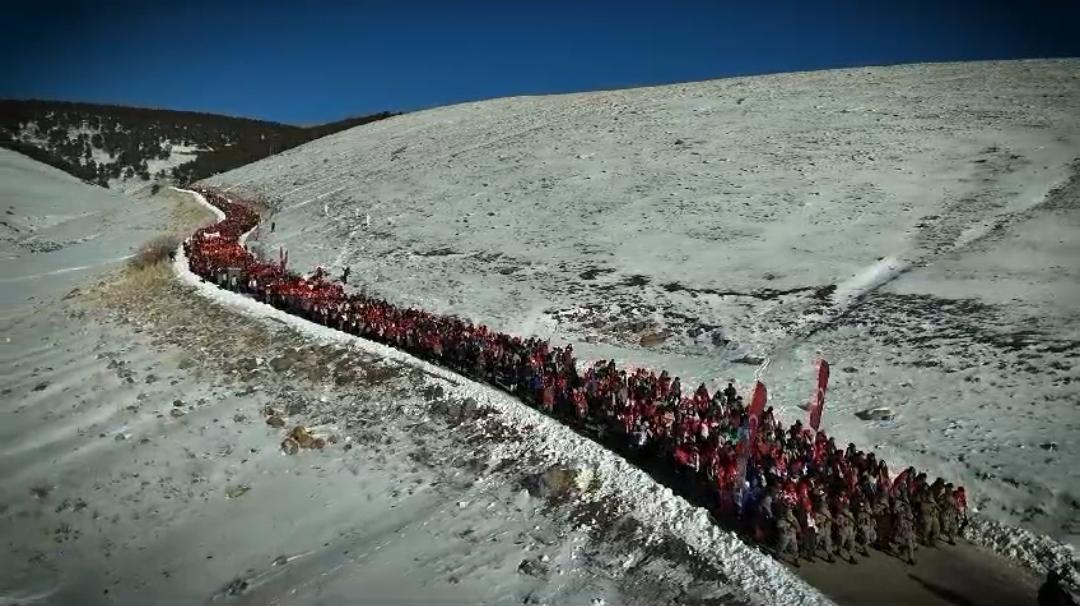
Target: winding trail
961,575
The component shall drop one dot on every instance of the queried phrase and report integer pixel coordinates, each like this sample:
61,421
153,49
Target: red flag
757,406
817,401
900,480
757,400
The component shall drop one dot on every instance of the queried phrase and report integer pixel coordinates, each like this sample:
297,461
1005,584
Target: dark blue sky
305,62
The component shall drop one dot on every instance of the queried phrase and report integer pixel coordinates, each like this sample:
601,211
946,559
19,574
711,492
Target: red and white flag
746,446
817,400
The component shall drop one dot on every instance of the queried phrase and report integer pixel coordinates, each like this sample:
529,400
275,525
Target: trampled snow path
655,506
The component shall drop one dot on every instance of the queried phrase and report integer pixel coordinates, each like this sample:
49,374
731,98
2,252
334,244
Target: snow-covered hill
55,231
902,221
133,149
139,468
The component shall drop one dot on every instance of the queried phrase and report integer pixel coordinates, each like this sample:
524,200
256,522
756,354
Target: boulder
289,446
881,413
302,436
560,482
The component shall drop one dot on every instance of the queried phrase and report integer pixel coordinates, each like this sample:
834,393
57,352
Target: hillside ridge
128,147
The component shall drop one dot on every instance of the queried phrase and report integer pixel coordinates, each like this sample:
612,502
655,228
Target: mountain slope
901,221
138,466
128,146
56,230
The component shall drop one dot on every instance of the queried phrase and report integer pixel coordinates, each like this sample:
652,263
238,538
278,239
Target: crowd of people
792,488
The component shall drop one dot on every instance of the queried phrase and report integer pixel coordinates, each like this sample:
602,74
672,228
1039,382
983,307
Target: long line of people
789,487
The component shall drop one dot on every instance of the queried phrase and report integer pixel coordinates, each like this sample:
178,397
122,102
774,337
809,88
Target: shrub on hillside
157,250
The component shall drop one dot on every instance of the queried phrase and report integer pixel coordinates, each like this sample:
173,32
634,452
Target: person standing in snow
730,392
345,275
675,395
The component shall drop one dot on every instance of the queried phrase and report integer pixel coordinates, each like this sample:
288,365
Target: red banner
757,400
817,401
746,446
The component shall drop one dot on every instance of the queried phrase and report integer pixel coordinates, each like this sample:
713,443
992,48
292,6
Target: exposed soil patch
764,294
929,323
594,272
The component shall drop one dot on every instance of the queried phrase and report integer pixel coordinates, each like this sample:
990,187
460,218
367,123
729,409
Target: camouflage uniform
950,517
867,529
905,531
929,522
880,511
845,532
823,543
787,528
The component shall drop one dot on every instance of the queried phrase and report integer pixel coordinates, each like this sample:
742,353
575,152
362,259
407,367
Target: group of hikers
791,487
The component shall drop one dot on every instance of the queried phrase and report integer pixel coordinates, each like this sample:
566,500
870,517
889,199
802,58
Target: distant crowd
792,488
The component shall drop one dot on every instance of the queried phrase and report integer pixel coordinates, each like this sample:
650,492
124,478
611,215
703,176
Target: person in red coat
547,397
960,496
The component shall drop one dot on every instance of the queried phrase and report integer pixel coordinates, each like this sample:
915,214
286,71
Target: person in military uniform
950,517
905,529
787,531
929,520
865,528
823,521
845,531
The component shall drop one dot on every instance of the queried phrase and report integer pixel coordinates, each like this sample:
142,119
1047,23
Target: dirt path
961,575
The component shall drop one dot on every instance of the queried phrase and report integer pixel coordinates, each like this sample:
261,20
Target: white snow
919,192
55,225
661,511
137,468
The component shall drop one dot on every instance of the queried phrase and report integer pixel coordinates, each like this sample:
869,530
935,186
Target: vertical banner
747,443
817,401
757,402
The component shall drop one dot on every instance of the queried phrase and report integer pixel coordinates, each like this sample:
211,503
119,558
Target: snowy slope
143,473
55,230
138,468
898,220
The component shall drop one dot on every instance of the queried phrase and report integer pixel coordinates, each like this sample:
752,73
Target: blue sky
306,62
